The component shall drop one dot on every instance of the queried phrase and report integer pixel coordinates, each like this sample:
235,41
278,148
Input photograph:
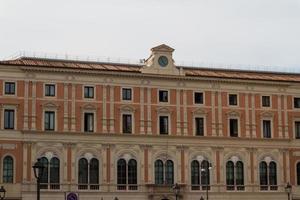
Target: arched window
169,172
159,172
88,174
54,171
44,179
94,171
127,174
298,173
50,176
235,175
273,176
268,175
195,176
8,169
164,172
230,175
200,175
240,175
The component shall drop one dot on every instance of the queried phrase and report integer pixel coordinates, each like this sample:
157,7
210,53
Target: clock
163,61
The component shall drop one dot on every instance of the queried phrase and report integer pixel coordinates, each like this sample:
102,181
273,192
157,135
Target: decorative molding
233,113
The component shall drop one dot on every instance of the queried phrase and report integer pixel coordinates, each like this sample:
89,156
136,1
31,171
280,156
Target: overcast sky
249,32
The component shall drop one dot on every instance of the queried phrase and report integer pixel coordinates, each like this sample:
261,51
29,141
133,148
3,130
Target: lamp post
288,189
176,190
38,169
201,198
2,193
206,171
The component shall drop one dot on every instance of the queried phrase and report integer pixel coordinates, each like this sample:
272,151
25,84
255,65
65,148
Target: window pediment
89,106
233,113
267,114
200,111
50,105
165,110
127,108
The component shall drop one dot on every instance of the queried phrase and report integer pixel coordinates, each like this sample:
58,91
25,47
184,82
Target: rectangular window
199,126
233,100
266,128
266,101
9,119
127,123
297,130
49,120
49,90
10,88
88,122
126,94
164,125
163,96
234,127
88,92
296,102
198,98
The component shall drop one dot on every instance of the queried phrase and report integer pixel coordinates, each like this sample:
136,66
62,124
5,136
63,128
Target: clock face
163,61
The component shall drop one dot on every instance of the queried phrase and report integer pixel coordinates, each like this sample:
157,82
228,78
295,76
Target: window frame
262,128
94,121
131,94
237,99
203,98
122,122
262,102
94,92
55,90
169,125
44,120
295,97
8,94
195,125
238,127
168,96
294,128
13,169
14,119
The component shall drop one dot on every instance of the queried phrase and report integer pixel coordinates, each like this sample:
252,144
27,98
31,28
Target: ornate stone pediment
127,108
267,114
50,105
233,113
89,106
200,111
164,110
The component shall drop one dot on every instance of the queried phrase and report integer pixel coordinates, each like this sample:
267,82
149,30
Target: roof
135,68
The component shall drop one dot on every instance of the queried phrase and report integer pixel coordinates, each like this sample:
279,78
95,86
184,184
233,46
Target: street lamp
38,169
206,170
176,190
288,189
2,193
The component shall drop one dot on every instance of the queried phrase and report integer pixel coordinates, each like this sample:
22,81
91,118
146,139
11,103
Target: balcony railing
200,187
88,186
127,187
268,187
235,187
50,186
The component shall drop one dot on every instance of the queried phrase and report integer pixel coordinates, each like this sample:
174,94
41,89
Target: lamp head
38,168
2,192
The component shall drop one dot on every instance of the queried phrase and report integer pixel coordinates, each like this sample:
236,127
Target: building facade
120,131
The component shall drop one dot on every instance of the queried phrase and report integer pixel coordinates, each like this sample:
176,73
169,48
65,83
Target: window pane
163,125
233,99
169,172
88,122
267,128
8,170
229,173
272,173
126,93
205,179
9,88
54,170
266,101
263,173
239,173
49,90
198,98
195,173
163,96
83,171
9,119
94,171
132,172
49,120
159,172
121,172
88,92
199,122
45,163
296,102
127,123
297,130
298,173
233,127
